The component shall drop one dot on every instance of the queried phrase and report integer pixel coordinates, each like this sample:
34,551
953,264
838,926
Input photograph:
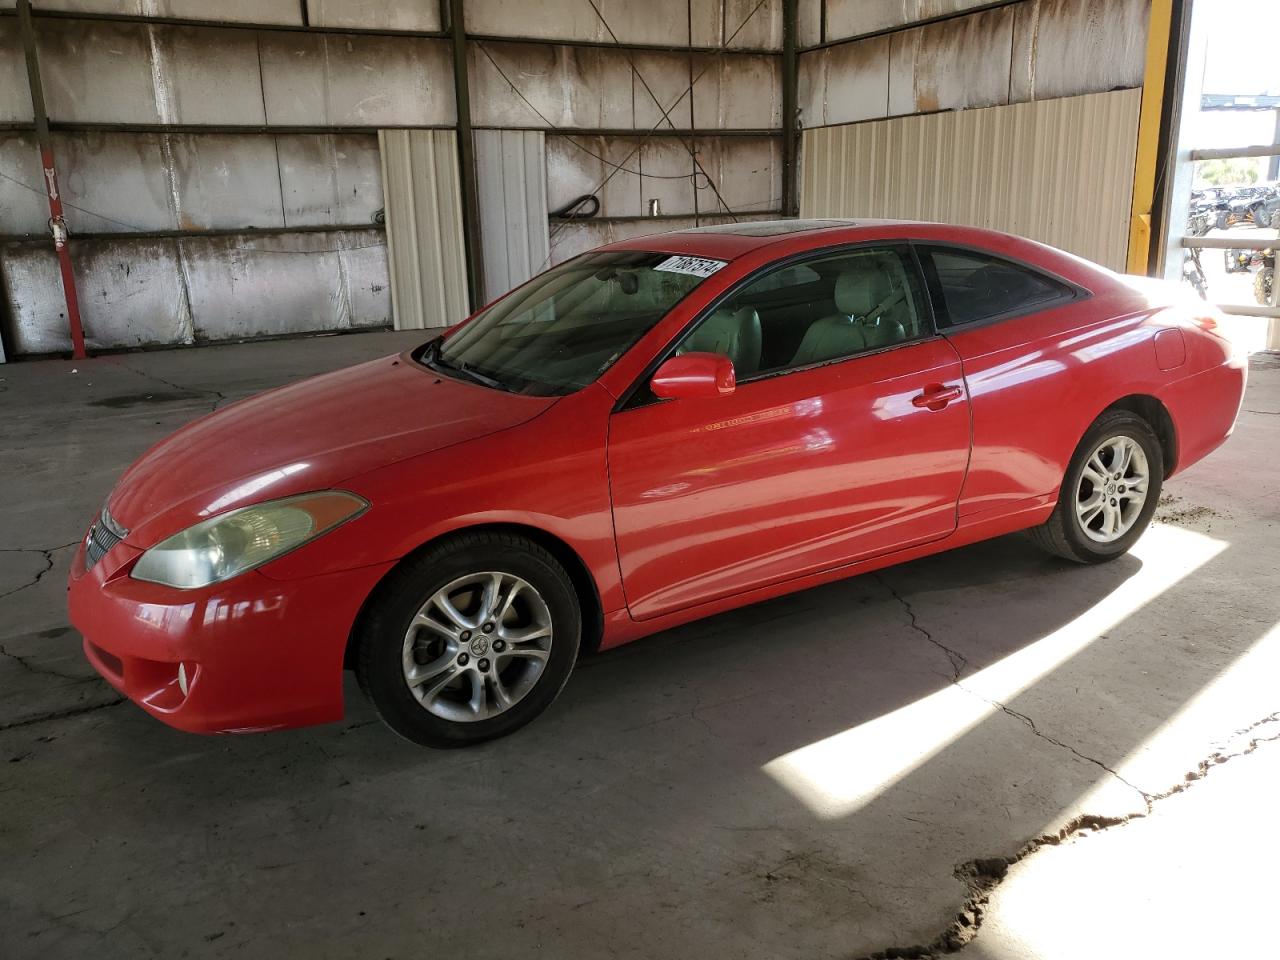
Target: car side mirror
689,376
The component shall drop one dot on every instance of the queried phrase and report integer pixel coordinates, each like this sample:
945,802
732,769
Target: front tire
469,640
1109,493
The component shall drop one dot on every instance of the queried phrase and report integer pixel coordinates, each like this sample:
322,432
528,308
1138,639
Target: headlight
227,545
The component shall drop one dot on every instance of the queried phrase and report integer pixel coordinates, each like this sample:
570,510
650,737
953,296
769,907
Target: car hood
310,435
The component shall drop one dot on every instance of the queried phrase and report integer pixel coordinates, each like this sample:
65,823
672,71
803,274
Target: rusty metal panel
857,18
101,72
511,171
952,65
23,207
808,22
374,14
226,11
329,178
1067,47
254,286
131,295
337,79
1058,171
845,83
15,95
424,227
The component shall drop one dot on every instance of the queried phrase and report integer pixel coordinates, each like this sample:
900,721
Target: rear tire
1262,285
1088,530
469,640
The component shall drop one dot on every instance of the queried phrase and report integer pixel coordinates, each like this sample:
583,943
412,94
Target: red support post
49,171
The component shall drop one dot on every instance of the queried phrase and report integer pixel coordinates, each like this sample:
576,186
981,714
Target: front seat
733,333
864,296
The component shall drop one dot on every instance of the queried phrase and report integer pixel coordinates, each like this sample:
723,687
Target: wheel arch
580,575
1157,415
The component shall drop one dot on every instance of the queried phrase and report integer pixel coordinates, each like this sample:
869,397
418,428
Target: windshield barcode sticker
695,266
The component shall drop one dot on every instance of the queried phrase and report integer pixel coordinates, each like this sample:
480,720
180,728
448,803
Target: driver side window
814,312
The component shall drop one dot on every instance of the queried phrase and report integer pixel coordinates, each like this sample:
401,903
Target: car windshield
560,331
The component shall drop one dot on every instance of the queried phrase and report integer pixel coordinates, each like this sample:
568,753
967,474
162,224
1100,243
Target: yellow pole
1159,29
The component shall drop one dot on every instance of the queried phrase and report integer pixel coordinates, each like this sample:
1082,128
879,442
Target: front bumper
257,653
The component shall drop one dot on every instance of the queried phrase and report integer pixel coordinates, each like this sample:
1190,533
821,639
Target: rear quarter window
975,287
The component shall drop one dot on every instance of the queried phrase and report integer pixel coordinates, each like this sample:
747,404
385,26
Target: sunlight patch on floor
838,775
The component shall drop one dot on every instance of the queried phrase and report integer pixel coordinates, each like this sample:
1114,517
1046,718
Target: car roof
733,240
727,241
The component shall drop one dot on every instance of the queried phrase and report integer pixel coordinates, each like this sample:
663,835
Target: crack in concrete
62,714
982,875
27,665
48,565
958,659
959,662
218,396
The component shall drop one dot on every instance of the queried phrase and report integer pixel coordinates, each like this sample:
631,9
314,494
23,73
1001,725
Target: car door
847,437
1007,320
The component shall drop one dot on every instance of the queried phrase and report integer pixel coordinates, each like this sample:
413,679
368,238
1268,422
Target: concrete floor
830,774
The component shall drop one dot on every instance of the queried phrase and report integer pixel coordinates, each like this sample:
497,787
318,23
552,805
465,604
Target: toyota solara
652,432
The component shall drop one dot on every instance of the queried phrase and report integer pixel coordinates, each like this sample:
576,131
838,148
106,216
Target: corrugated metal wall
511,168
424,227
192,137
1058,171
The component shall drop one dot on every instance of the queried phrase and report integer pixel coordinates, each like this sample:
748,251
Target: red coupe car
653,432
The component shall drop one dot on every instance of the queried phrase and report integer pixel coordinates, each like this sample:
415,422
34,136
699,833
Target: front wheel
469,640
1109,493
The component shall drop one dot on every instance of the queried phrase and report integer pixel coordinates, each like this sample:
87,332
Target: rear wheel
1263,284
1109,493
470,640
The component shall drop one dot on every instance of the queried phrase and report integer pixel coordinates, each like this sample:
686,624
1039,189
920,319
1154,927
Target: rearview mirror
692,375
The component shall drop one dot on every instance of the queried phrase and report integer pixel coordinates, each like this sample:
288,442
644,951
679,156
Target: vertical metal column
466,155
49,172
790,76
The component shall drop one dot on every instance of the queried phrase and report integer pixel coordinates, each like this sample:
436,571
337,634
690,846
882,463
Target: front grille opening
96,545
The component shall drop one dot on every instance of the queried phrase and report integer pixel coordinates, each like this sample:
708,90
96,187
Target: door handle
936,396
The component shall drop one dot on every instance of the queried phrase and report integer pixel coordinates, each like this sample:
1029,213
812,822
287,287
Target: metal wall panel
424,227
845,83
329,178
23,207
857,18
254,286
124,182
511,171
952,65
1067,47
15,96
170,291
131,295
1038,49
747,171
336,79
374,14
1058,171
588,87
104,72
704,23
227,11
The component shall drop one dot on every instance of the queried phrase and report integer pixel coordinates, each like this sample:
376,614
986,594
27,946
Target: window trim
924,255
911,263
